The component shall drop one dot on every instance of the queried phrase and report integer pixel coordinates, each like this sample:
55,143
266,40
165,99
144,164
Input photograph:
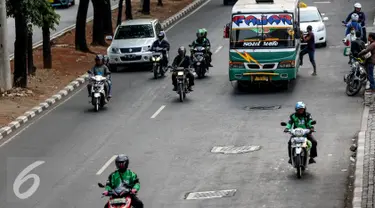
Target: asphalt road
171,152
68,18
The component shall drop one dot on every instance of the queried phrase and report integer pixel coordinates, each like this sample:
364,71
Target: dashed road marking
105,166
218,49
322,2
158,111
235,150
211,194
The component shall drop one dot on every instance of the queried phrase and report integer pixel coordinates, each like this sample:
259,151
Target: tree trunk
128,10
160,3
119,12
146,7
20,71
108,30
30,58
47,55
80,37
98,25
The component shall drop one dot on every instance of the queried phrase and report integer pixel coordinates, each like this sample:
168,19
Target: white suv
132,42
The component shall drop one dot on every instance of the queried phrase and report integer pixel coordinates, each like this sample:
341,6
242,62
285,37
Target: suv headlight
320,28
146,48
115,50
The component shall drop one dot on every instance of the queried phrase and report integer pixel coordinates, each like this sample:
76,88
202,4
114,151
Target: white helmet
355,17
357,6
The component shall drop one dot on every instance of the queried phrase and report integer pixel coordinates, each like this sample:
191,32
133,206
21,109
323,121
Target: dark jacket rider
103,70
357,45
124,175
202,41
182,60
302,119
161,43
362,19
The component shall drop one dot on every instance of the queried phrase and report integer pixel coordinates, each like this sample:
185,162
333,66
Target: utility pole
5,78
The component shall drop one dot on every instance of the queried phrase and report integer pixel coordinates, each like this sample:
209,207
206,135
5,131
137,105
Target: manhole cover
272,107
235,150
211,194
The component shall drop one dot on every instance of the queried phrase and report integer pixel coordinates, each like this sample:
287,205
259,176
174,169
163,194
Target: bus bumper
283,74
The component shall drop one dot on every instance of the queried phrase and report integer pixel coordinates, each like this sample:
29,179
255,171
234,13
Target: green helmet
200,33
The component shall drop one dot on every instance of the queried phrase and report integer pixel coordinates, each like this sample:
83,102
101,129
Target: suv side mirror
226,30
109,38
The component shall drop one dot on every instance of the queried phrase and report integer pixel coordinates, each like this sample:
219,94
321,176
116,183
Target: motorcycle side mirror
89,72
283,124
101,185
313,122
343,22
190,45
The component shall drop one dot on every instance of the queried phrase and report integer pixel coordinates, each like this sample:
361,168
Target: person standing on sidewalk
370,61
310,48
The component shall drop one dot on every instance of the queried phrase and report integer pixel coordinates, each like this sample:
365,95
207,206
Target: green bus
264,42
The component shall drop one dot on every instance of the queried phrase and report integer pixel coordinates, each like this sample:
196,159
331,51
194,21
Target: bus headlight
287,64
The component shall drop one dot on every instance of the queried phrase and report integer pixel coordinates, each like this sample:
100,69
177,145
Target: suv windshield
262,31
309,16
134,31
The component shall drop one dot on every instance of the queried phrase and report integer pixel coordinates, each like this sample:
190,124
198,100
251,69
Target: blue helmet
300,105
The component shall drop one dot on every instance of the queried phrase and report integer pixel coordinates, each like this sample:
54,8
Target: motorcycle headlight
298,132
158,58
180,73
153,58
198,63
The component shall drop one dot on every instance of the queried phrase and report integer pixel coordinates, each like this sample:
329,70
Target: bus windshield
262,31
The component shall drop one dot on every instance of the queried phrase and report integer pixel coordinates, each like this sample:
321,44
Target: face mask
352,32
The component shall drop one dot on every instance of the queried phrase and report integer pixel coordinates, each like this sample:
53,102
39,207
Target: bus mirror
226,31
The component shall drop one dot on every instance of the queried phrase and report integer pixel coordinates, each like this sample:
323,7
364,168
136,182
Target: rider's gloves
286,130
105,193
134,191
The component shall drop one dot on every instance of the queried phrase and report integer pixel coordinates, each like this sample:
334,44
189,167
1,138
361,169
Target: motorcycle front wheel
155,70
298,166
353,88
96,104
181,92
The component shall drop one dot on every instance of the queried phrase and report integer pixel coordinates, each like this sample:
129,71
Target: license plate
129,56
260,78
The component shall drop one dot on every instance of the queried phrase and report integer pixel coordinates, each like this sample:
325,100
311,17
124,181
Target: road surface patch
234,149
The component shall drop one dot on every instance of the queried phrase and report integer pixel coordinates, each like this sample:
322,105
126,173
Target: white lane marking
187,16
322,2
68,98
40,117
218,49
105,166
158,111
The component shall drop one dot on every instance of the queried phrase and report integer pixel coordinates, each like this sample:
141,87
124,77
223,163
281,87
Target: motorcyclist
302,119
209,43
361,20
357,45
182,60
162,43
201,41
353,24
103,70
124,175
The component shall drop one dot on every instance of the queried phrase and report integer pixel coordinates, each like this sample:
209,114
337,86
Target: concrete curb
358,175
27,116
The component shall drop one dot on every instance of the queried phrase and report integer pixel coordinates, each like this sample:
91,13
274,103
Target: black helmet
181,51
122,162
99,57
309,28
161,35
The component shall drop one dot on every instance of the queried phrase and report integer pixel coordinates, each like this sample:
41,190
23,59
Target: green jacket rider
302,119
204,42
126,176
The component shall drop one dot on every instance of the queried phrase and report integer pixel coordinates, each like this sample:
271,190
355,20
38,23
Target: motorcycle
119,197
300,148
157,57
182,83
356,78
199,61
98,94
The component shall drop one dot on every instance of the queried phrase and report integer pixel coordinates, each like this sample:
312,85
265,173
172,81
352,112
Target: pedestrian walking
309,49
